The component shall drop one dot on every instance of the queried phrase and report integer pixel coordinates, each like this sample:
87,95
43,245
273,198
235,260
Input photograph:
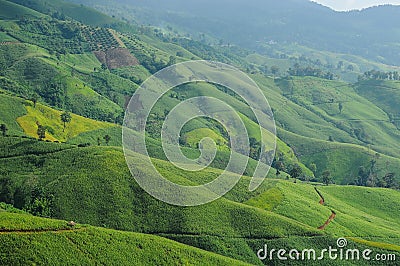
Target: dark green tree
350,68
340,107
390,180
279,166
107,139
34,100
313,168
274,70
7,190
4,129
326,177
41,132
172,60
362,176
296,172
255,148
66,118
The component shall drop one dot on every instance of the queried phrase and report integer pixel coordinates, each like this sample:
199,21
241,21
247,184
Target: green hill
384,94
24,118
78,12
33,240
343,160
10,10
360,118
48,66
89,192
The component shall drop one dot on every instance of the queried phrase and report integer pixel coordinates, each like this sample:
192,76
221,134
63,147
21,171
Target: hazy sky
355,4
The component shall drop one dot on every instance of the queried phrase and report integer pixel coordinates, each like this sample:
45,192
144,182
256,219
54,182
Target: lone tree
340,107
3,129
274,70
280,167
313,168
66,118
41,132
390,180
34,100
326,177
295,172
107,139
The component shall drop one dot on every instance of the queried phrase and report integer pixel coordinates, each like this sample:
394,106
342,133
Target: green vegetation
64,10
61,156
46,238
10,10
8,118
116,203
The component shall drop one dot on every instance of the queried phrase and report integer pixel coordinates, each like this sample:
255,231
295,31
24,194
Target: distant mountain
371,33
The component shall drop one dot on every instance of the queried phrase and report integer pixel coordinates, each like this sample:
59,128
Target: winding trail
333,215
322,200
2,232
330,219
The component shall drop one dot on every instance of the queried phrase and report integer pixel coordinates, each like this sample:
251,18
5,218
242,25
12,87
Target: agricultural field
68,197
116,246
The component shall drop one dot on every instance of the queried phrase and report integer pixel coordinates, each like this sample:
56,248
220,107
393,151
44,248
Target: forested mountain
255,24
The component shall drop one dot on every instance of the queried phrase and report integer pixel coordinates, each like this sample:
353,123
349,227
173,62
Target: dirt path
330,219
322,200
333,215
2,232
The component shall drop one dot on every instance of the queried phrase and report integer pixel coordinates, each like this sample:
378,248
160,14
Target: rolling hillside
83,244
121,204
10,10
62,57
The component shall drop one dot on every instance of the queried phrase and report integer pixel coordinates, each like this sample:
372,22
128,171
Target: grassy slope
51,118
9,103
23,118
385,94
309,107
360,64
365,211
102,199
80,13
301,113
106,195
367,216
343,160
296,118
306,126
253,131
10,10
53,242
322,97
361,212
109,199
83,99
23,121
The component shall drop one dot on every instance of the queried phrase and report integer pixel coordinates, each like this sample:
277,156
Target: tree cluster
380,75
297,70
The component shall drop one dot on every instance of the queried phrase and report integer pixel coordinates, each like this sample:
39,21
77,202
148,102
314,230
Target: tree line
379,75
297,70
